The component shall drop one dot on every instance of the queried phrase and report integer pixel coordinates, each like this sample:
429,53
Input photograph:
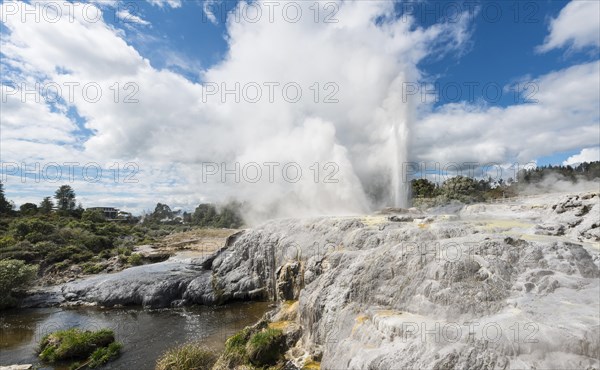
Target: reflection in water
145,334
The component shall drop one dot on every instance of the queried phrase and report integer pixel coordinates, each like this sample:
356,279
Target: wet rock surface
514,285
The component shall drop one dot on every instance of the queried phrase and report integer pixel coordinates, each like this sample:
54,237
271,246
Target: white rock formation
492,286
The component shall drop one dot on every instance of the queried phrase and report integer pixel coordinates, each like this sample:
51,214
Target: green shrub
45,247
7,241
105,254
250,348
135,259
108,229
266,347
82,256
22,228
14,275
105,354
93,215
92,268
59,266
235,350
71,252
238,340
124,251
35,237
464,189
97,243
125,242
73,344
20,251
191,356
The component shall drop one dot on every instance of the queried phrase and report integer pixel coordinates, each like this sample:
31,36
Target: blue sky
502,46
172,51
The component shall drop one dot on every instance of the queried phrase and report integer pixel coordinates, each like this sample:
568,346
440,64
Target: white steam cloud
348,132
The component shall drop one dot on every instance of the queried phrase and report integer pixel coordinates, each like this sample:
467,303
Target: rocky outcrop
482,289
511,285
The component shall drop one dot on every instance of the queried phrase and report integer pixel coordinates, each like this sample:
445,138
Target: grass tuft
266,347
187,357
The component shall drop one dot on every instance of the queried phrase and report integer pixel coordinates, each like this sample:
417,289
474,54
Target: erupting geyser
398,109
399,183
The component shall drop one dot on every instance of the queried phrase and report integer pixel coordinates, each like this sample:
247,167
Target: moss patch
105,354
266,347
235,349
97,347
257,347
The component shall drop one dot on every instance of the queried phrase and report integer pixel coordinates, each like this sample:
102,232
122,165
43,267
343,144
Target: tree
230,216
5,206
461,188
78,211
28,209
162,213
422,188
93,215
46,206
14,275
65,198
205,215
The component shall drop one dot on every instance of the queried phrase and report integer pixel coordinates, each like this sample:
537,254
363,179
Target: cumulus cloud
346,133
560,116
586,155
163,3
170,126
21,120
577,26
207,9
127,17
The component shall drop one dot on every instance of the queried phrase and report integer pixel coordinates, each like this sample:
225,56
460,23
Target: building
109,212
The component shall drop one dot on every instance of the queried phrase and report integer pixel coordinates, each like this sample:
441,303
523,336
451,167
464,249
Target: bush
266,347
464,189
135,259
70,252
19,251
187,357
44,248
422,188
93,215
250,348
7,241
14,275
105,354
97,243
74,344
235,349
124,251
92,268
60,266
22,228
